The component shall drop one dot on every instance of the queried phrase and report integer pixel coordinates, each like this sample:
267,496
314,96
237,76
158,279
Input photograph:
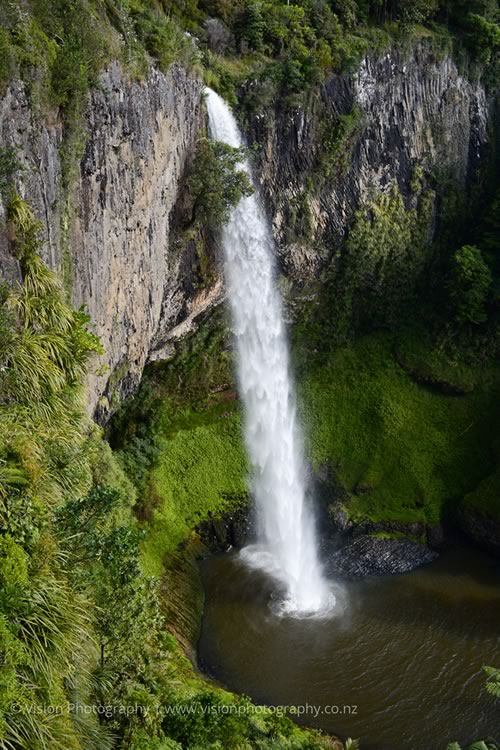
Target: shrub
484,37
469,285
216,182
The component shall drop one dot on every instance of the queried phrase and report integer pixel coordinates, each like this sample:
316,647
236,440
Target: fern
493,681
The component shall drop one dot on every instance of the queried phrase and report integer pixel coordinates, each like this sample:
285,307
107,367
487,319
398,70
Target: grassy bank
200,471
417,451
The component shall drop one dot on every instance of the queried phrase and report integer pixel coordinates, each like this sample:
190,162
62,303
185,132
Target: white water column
287,544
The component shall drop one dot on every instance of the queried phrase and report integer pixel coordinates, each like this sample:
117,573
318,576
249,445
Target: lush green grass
417,449
200,470
429,363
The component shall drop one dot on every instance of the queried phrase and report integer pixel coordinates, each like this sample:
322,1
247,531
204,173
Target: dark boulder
482,527
339,517
369,555
232,529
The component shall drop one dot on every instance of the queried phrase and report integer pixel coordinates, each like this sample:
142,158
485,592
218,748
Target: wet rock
482,527
369,556
231,529
340,518
416,531
362,488
327,486
435,536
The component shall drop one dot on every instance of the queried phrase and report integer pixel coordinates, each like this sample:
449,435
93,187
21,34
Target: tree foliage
469,285
385,255
217,181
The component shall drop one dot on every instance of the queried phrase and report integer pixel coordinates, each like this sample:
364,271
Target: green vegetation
469,285
87,661
216,182
397,393
492,687
398,365
9,165
409,412
45,455
287,48
380,269
60,47
337,139
200,470
416,450
493,681
283,48
180,438
485,498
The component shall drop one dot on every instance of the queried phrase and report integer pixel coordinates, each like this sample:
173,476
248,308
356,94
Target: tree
484,37
216,182
250,25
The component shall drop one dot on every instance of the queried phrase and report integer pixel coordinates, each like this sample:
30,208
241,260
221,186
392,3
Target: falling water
287,545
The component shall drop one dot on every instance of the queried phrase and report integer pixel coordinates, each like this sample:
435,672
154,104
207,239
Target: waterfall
287,544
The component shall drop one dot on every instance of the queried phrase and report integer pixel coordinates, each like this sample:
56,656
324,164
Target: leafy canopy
217,181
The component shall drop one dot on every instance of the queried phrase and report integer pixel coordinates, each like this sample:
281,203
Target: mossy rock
433,369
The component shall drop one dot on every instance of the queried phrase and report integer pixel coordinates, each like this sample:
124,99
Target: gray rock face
410,109
230,529
124,269
368,555
36,145
116,248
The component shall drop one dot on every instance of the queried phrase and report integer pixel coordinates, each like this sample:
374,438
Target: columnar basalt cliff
112,243
111,235
358,134
124,268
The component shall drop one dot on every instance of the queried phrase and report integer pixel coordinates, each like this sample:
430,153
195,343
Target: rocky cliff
111,235
358,134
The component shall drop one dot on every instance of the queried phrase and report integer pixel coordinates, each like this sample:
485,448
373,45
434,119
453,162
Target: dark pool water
399,667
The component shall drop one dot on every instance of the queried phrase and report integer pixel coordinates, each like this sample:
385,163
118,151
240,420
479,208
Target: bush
469,285
484,37
7,59
206,718
216,182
